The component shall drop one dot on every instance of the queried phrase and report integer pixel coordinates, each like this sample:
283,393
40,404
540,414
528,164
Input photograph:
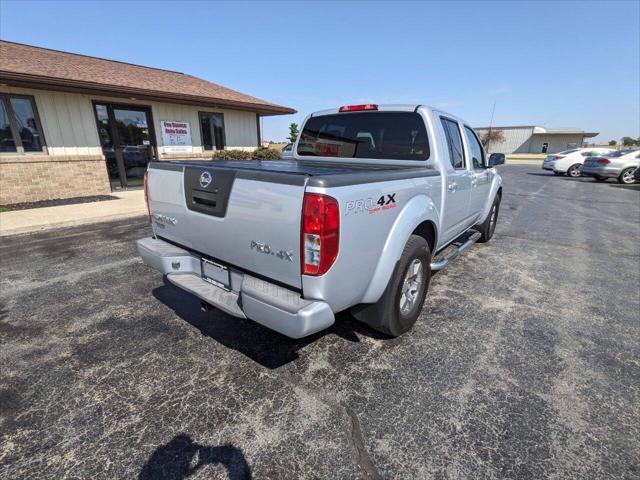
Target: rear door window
374,135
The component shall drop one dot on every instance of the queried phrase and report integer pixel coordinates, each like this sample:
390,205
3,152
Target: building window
212,130
20,128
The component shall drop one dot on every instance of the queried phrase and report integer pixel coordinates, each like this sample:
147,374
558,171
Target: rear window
567,152
379,135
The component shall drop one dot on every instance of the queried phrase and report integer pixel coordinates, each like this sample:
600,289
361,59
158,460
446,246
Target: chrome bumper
273,306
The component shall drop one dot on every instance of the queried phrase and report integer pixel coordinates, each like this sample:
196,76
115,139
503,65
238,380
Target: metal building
534,139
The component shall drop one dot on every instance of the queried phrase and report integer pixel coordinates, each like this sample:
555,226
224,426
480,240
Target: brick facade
32,178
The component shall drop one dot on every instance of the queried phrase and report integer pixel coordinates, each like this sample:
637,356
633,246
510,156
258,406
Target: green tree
293,132
612,142
629,141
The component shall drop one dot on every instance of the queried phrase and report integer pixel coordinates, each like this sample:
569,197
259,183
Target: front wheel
626,177
401,303
487,227
575,170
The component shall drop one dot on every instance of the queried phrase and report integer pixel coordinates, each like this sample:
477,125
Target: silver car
620,165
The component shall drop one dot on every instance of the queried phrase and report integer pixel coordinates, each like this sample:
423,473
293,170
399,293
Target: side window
454,140
475,148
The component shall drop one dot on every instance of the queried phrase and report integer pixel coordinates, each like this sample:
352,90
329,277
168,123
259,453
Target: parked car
621,165
570,161
357,220
287,151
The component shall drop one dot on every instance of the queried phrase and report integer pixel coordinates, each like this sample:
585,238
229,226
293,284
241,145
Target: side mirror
496,159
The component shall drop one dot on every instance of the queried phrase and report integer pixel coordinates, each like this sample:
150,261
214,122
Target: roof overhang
78,86
569,132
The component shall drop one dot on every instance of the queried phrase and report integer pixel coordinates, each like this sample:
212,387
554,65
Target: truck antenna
493,110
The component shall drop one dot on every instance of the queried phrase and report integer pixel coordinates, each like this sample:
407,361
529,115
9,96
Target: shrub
266,154
232,155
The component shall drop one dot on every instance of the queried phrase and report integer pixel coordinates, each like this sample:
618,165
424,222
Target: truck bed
293,172
248,203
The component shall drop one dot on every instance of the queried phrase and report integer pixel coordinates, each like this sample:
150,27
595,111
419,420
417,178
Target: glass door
127,140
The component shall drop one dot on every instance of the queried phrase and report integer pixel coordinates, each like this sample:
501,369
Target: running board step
212,294
440,264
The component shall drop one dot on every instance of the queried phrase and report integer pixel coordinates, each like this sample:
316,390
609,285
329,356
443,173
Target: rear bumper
547,166
273,306
600,171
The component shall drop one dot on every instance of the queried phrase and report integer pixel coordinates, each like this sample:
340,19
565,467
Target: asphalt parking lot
524,363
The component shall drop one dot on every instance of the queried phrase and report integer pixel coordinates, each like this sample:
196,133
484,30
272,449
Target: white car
570,161
287,151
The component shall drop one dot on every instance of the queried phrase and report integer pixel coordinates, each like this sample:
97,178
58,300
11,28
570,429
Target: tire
487,227
574,171
599,178
392,315
626,176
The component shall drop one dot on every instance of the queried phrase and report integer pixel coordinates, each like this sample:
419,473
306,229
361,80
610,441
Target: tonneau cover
320,174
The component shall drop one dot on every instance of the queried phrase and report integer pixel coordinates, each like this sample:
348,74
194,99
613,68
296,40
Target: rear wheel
574,170
599,178
401,303
626,177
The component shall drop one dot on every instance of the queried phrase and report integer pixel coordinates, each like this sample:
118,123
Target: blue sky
557,64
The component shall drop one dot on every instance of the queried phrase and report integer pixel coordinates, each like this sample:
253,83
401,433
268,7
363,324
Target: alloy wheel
574,172
411,286
627,177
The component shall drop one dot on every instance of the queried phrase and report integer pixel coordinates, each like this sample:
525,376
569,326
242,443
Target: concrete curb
128,204
70,223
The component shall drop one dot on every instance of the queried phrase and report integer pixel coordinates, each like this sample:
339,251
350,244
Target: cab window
475,149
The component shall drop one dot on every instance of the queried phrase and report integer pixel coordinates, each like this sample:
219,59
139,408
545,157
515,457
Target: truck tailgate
238,217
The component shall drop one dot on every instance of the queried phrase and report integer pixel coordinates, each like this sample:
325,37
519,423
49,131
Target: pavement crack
356,439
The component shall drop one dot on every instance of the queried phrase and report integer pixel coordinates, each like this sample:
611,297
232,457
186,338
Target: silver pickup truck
374,199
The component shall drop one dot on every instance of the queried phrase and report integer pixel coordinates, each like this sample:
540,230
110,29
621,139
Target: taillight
358,108
603,161
146,195
558,157
319,233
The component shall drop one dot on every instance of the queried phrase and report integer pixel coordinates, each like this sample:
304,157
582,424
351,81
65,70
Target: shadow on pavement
632,186
560,177
262,345
182,457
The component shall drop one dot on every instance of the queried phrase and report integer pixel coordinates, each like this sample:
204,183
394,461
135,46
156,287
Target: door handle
452,186
474,182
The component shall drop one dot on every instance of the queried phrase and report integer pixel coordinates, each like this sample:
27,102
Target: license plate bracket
215,273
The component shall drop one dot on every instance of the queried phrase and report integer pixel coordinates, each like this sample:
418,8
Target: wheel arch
429,232
420,216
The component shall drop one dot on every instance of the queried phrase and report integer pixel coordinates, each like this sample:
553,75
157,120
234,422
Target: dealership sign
176,136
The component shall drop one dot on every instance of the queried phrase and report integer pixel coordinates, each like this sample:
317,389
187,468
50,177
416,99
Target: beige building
534,139
73,125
